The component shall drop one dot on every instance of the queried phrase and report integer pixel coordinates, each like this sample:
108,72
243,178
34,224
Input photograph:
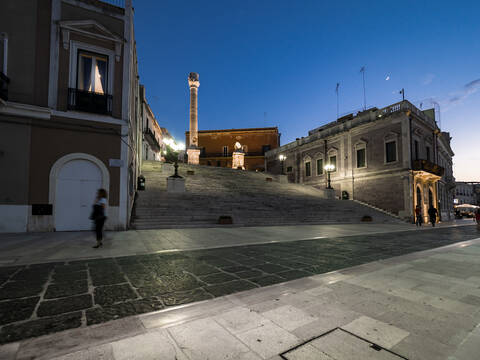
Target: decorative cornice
78,27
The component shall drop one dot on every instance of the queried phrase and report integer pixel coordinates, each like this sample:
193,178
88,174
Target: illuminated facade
392,158
217,147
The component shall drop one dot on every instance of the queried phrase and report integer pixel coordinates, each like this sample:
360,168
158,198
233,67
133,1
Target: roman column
193,152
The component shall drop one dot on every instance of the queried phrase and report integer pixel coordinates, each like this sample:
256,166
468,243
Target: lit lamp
329,168
282,158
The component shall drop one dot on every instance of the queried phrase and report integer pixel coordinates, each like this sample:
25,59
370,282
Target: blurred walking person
432,214
477,218
418,215
99,215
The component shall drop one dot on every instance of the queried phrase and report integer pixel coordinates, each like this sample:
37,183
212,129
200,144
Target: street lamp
329,168
282,159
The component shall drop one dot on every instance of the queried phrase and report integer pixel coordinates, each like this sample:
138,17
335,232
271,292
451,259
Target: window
289,169
390,151
428,153
92,72
319,166
265,148
225,151
333,161
218,163
308,170
416,150
360,158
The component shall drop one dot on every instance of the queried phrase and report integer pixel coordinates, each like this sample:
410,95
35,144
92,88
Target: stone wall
386,193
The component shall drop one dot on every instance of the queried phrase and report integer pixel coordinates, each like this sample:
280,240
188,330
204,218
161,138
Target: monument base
175,185
193,156
238,160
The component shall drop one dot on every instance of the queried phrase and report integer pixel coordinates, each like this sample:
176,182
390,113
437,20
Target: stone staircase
246,196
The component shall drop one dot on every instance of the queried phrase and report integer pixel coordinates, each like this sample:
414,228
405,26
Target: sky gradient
276,63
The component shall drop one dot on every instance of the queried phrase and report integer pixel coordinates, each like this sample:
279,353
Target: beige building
152,135
392,158
68,115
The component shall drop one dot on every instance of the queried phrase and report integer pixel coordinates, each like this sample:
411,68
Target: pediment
89,28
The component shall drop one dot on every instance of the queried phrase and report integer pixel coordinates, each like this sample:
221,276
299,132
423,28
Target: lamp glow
282,157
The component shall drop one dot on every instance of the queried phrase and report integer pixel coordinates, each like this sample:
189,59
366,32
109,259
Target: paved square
43,298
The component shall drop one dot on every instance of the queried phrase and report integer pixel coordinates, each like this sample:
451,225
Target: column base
193,156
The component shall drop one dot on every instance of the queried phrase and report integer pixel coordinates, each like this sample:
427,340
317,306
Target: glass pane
100,75
390,149
307,169
319,166
360,158
84,80
333,161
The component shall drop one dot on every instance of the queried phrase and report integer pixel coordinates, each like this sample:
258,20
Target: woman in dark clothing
98,215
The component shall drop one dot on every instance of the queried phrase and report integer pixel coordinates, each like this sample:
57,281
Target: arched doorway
419,196
430,197
74,180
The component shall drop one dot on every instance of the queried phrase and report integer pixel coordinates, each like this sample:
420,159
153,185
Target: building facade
216,146
467,193
153,146
389,158
68,116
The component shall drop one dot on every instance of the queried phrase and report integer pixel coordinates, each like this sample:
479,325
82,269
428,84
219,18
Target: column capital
193,80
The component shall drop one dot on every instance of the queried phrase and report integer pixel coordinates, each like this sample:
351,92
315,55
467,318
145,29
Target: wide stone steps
246,196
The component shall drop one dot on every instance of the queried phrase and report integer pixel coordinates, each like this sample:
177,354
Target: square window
308,170
319,166
428,153
360,158
289,169
333,161
391,151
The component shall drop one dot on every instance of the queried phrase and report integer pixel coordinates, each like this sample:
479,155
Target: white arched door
75,190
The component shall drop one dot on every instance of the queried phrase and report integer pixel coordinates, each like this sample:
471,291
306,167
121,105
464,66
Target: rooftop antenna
439,117
336,90
362,70
403,94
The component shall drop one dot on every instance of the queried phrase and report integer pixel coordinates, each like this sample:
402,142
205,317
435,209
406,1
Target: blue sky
276,63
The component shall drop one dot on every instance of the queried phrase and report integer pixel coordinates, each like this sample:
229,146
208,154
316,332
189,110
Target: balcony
88,101
152,140
4,80
428,166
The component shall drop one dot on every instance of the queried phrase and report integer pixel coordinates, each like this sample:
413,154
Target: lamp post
282,159
329,168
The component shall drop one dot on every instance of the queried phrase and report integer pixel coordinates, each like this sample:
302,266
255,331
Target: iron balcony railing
89,101
4,80
152,140
428,166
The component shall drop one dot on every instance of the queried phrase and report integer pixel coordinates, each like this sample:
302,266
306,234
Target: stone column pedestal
193,156
238,160
175,184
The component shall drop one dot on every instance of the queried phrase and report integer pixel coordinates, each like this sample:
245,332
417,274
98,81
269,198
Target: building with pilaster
69,114
392,158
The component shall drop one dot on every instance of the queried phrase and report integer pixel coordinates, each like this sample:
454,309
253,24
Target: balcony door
92,72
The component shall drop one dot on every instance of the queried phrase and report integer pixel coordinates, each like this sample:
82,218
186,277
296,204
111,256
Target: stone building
216,146
392,158
153,146
467,193
69,115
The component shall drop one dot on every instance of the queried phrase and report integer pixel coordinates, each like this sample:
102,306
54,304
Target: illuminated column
193,152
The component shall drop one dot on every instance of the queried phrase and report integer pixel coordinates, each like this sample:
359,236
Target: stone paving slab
265,322
58,296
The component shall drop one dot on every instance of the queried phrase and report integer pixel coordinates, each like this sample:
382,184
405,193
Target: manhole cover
339,344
